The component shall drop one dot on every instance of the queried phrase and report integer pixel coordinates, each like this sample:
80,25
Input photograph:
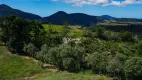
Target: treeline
102,33
116,54
135,28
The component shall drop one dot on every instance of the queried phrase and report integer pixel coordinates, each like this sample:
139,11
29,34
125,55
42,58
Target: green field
73,32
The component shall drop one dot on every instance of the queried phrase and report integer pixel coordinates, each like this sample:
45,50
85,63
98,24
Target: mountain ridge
60,16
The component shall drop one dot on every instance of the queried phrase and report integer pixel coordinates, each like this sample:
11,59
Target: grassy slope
73,32
15,67
72,76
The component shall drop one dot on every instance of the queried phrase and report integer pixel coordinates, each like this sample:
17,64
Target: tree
139,47
116,64
66,57
42,55
100,32
30,49
127,36
37,33
17,31
133,68
65,29
98,62
14,32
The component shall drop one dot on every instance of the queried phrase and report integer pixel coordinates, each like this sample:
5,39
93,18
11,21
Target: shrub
127,36
139,47
110,35
116,64
30,49
133,68
41,54
66,57
98,62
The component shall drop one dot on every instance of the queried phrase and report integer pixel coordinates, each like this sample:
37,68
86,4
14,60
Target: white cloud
101,2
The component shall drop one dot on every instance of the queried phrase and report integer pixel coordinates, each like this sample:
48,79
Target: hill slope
59,17
73,19
7,11
15,67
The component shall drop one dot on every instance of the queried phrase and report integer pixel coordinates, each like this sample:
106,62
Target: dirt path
35,76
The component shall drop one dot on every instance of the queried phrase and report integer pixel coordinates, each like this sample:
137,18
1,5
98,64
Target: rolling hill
59,17
73,19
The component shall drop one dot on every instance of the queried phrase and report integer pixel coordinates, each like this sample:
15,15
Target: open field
73,32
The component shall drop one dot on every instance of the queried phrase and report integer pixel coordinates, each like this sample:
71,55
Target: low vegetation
104,52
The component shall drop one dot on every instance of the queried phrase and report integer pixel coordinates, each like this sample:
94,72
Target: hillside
59,17
73,19
8,11
15,67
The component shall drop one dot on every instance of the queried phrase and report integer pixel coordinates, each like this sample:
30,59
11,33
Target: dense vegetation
115,54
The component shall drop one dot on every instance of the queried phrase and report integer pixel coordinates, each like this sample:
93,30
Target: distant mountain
73,19
107,17
7,11
60,17
128,20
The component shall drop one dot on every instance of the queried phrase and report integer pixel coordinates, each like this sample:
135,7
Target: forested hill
60,17
8,11
73,19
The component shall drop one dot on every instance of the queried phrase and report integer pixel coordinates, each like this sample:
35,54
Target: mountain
107,17
73,19
7,11
59,17
128,20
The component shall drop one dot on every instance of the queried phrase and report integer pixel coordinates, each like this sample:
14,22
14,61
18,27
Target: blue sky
116,8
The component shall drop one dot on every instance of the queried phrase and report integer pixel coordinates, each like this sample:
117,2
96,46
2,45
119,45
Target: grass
71,76
14,67
73,32
56,28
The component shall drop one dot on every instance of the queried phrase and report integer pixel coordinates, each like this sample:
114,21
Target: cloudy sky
116,8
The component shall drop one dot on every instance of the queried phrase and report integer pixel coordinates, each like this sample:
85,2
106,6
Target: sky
115,8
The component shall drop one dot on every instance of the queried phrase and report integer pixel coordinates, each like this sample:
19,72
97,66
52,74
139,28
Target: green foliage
126,36
116,64
100,32
65,29
98,62
18,31
139,47
41,55
30,49
133,68
90,45
110,35
66,57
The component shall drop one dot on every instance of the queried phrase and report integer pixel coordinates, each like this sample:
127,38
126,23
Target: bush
133,68
66,57
30,49
139,47
91,45
41,54
116,64
98,62
110,35
127,36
